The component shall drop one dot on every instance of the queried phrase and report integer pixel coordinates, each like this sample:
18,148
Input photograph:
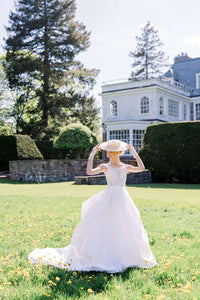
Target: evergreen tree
43,41
149,59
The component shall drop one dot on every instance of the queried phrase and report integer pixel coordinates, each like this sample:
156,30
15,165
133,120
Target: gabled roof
184,70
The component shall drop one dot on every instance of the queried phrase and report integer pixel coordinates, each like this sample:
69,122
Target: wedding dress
110,236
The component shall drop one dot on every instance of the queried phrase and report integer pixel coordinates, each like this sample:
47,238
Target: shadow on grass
180,186
140,185
10,181
76,284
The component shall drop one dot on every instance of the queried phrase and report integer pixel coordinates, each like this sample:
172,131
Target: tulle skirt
110,237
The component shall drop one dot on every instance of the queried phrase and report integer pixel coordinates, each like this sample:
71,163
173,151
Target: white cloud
192,40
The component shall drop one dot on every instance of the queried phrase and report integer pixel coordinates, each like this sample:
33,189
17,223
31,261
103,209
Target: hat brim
104,146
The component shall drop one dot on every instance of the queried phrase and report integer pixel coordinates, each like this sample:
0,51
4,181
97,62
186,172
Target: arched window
144,105
113,108
161,106
184,112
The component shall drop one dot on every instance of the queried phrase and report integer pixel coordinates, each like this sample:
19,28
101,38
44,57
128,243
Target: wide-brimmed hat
114,145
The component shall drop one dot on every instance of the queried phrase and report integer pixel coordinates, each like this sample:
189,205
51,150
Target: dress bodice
116,175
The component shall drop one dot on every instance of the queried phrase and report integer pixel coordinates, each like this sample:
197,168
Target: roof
184,71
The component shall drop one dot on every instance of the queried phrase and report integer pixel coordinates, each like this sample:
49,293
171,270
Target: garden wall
53,170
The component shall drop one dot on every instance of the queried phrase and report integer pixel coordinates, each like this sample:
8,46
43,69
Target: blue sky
115,23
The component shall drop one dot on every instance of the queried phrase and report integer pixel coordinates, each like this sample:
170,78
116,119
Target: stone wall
53,170
140,177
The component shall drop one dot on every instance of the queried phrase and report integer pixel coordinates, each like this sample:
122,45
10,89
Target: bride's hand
96,148
132,148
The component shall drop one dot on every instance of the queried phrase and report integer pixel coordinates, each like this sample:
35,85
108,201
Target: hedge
172,151
14,147
47,150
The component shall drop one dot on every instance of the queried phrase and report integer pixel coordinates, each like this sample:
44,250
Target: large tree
42,44
6,102
148,58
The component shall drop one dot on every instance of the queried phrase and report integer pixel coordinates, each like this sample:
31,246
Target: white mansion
128,107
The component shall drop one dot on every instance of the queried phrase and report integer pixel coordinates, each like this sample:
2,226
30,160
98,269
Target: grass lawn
45,215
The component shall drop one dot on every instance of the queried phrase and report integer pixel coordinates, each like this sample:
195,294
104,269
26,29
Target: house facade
128,107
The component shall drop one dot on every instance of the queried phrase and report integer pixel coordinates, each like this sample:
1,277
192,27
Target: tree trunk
46,70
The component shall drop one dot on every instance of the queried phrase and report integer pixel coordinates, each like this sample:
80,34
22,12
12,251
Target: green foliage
149,60
6,102
76,137
14,147
48,151
52,87
45,215
171,151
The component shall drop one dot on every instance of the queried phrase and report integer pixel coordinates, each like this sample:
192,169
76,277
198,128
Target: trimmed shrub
14,147
76,137
172,151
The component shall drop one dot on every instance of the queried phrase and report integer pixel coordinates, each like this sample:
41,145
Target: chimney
182,56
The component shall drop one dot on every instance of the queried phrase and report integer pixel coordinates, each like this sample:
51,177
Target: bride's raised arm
101,168
140,166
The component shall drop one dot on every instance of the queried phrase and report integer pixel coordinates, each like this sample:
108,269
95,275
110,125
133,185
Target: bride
110,236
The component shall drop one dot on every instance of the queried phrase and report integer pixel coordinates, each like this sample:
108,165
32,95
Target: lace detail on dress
116,175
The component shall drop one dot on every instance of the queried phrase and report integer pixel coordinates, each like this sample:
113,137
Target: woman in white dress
110,236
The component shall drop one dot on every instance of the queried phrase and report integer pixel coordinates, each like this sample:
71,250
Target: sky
114,25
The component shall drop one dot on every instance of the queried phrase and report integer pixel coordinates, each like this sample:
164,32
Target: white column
194,109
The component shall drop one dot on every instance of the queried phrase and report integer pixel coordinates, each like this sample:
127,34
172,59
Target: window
173,108
198,80
184,112
161,106
144,105
198,111
137,138
113,108
122,135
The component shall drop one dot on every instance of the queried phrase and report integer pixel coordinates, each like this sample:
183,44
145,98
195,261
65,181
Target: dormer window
144,105
113,108
161,106
198,80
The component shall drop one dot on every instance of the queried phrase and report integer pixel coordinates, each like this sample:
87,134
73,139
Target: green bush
48,151
172,151
14,147
76,137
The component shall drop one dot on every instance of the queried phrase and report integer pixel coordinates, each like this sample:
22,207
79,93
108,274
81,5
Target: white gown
110,236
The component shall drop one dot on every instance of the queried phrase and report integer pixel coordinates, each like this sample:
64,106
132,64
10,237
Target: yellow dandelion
57,278
81,288
69,281
160,297
90,291
117,287
75,273
179,284
47,295
193,277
